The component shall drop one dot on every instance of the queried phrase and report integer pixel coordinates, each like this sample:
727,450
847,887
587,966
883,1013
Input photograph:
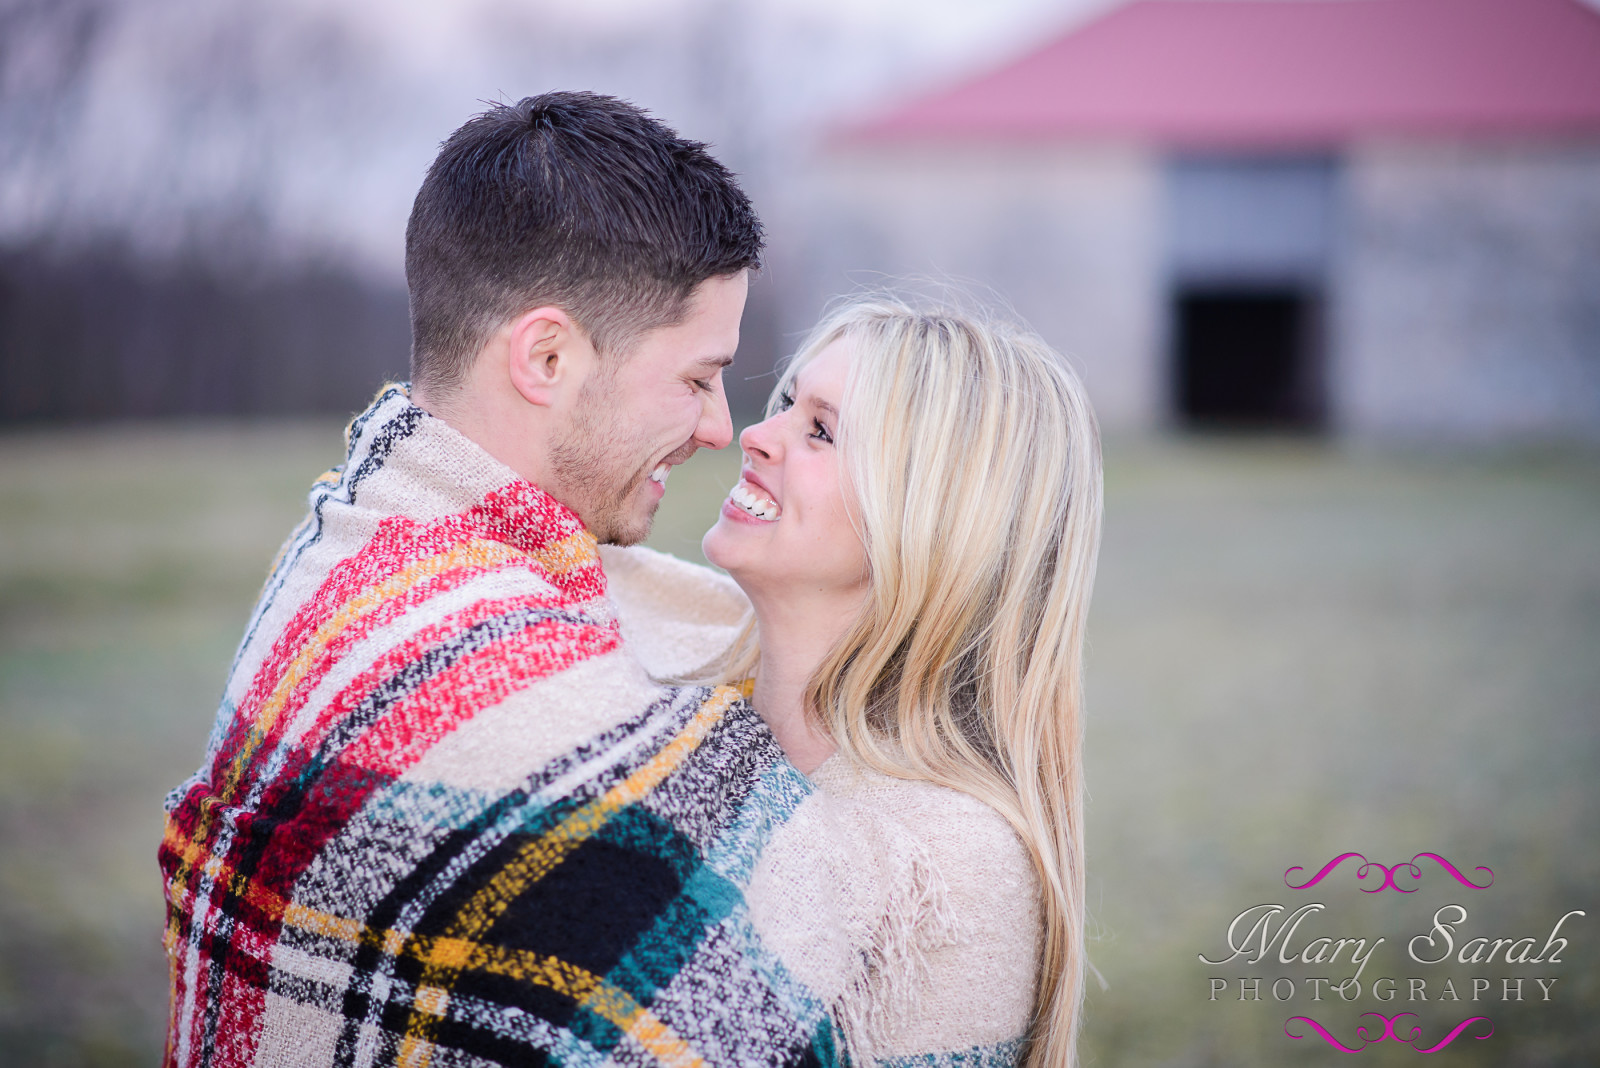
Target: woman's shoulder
976,910
964,837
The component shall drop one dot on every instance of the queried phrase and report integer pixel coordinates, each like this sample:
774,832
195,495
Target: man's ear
547,355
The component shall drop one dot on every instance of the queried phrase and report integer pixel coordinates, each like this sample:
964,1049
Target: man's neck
486,420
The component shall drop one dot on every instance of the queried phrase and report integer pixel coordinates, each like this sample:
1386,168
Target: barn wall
1070,239
1469,293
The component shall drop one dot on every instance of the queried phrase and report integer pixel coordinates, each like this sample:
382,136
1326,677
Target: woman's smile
752,498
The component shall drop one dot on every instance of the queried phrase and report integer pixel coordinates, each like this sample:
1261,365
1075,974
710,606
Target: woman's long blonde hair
975,462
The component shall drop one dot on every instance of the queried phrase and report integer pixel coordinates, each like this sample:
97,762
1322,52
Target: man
445,816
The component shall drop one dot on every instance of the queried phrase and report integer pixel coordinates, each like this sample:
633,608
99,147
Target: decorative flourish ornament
1388,883
1364,1036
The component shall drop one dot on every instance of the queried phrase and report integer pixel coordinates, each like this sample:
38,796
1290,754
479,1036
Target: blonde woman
916,529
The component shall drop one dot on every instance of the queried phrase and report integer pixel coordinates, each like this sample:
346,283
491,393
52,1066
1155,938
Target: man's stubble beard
582,467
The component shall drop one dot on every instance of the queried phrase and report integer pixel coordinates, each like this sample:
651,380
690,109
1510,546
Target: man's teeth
754,503
660,473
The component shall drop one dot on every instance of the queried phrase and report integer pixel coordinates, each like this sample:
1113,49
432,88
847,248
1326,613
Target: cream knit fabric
974,911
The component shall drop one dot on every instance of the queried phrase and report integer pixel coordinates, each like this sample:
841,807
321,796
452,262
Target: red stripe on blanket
381,754
434,636
519,515
478,681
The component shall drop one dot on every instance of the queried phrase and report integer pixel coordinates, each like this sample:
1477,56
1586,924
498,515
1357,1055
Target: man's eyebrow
715,363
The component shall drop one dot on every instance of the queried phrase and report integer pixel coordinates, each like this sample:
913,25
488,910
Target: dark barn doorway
1246,359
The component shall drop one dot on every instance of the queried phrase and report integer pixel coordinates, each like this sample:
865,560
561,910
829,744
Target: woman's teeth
761,507
661,472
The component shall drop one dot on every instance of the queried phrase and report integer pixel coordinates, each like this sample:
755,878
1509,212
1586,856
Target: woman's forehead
823,375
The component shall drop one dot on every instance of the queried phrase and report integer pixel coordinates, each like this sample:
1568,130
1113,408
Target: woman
916,529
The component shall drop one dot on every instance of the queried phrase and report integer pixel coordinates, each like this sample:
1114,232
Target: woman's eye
821,432
785,401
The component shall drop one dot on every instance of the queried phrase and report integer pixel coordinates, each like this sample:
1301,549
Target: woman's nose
761,439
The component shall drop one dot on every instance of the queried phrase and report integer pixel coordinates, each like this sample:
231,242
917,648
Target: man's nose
715,429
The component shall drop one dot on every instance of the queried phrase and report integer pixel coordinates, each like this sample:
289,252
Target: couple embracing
492,785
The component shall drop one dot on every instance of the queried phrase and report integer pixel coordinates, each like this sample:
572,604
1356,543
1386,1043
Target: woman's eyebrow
801,394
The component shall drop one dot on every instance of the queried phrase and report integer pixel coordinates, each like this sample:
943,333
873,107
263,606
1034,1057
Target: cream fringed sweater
956,877
935,893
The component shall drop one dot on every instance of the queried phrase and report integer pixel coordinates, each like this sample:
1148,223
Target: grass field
1295,652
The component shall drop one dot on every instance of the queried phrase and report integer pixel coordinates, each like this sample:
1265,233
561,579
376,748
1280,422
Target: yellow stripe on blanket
459,955
569,554
590,991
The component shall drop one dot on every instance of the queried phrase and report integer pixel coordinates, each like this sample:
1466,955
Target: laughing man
446,817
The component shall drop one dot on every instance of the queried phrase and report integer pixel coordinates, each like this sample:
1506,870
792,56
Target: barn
1375,219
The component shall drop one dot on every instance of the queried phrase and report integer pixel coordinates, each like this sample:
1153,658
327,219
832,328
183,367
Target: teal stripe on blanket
711,890
999,1055
773,802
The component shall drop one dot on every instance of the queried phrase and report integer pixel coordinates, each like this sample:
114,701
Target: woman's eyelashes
819,430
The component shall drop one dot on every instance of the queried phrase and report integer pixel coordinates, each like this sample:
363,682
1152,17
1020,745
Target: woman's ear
547,356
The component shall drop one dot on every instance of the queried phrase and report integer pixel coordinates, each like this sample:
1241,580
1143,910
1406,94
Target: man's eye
703,383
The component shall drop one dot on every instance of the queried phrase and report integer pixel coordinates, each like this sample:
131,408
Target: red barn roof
1293,73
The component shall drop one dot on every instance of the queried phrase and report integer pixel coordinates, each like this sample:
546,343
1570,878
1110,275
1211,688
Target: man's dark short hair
575,200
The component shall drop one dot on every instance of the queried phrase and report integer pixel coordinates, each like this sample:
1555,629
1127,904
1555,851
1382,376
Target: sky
295,129
307,124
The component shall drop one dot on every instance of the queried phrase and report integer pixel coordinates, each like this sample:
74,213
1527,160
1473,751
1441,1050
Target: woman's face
785,529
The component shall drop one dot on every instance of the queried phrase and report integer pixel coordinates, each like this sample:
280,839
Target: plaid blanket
445,818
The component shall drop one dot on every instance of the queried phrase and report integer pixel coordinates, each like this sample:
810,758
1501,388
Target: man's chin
628,527
630,535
